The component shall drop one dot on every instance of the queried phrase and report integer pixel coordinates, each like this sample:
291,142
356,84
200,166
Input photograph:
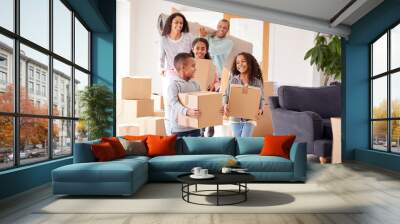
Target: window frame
388,74
16,114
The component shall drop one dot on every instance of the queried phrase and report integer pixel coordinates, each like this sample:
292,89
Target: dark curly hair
203,40
252,66
168,24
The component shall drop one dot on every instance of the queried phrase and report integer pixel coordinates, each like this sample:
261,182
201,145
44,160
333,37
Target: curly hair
203,40
168,24
253,67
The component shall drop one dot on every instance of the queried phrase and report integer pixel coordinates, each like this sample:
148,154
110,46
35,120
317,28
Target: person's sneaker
210,131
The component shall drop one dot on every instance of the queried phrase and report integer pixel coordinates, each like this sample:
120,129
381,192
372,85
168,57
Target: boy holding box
185,67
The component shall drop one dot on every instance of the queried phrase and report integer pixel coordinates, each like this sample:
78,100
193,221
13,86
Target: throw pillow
135,138
161,145
103,152
277,145
137,148
117,146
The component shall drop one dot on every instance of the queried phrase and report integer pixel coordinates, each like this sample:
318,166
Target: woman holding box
245,71
175,39
200,51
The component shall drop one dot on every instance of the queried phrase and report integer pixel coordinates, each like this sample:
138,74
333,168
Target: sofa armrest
83,152
298,155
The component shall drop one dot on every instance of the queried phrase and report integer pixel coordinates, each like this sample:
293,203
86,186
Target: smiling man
220,45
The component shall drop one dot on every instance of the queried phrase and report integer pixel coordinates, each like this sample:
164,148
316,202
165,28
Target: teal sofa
125,176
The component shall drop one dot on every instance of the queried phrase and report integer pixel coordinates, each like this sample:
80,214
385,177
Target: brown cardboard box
159,114
244,101
128,129
208,103
136,88
205,73
158,102
263,124
128,110
151,125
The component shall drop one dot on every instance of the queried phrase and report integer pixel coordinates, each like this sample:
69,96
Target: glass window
7,14
81,45
395,95
62,72
81,131
395,136
395,47
33,138
62,138
379,135
62,29
81,81
379,56
6,74
40,62
6,142
379,98
35,21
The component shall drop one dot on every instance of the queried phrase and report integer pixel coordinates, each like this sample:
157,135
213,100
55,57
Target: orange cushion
136,138
161,145
277,145
116,145
103,152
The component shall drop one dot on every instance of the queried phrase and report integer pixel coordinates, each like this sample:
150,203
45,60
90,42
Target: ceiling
325,16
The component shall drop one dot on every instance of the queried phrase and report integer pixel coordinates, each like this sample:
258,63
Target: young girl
200,50
245,71
175,39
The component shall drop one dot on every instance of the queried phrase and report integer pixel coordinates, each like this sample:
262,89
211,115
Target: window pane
62,138
62,89
81,131
81,45
7,14
81,81
379,135
379,97
62,29
35,21
33,139
379,55
395,95
6,74
395,136
6,142
395,47
34,81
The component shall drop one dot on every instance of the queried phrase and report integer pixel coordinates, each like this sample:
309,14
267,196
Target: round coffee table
238,179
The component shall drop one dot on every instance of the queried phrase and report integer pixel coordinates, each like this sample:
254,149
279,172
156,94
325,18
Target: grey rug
166,198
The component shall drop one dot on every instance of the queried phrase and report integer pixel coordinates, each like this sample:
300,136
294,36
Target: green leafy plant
327,56
97,103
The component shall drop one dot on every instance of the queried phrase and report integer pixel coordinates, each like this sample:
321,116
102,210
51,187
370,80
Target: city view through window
32,130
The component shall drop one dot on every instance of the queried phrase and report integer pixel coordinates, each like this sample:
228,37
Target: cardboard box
136,88
151,125
244,102
128,129
208,103
159,114
158,102
205,73
128,110
263,124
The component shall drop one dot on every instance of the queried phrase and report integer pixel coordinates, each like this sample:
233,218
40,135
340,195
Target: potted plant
327,56
96,103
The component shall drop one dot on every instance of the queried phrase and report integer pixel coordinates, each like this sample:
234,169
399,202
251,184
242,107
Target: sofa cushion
161,145
185,163
277,145
257,163
249,145
112,171
324,101
134,147
116,145
103,152
211,145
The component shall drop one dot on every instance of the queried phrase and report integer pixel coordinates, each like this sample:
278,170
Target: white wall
286,60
